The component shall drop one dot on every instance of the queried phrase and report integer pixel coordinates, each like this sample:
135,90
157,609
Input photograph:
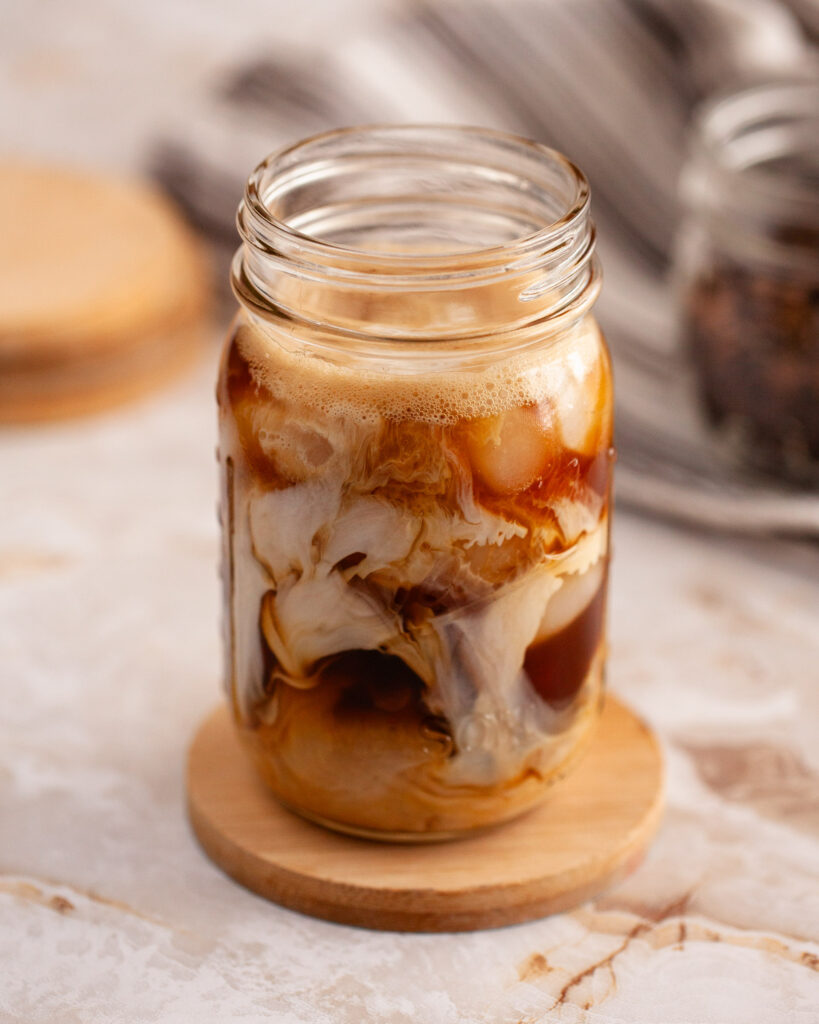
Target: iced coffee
416,552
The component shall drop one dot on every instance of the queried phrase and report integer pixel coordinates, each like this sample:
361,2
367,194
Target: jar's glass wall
416,527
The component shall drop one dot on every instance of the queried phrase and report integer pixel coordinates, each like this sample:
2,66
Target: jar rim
736,132
260,227
418,196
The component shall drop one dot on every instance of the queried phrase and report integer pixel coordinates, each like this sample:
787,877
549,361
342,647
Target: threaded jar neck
753,173
407,234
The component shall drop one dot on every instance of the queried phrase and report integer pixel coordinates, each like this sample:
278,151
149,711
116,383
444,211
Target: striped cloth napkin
612,83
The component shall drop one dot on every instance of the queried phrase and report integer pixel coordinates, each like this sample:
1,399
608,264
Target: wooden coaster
590,832
103,291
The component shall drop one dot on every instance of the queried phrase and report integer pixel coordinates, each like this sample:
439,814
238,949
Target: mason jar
416,450
748,274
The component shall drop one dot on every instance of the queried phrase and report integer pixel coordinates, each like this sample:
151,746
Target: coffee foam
350,390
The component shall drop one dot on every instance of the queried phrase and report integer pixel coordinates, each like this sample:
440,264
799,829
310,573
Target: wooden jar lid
102,291
591,831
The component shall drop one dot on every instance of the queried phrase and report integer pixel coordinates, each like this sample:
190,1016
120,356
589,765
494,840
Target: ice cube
510,451
575,595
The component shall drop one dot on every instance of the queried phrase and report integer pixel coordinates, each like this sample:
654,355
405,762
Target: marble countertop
109,647
109,643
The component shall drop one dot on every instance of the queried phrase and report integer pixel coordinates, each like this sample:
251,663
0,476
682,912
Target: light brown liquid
416,585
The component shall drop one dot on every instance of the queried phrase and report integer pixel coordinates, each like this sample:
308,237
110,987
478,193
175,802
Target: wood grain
591,831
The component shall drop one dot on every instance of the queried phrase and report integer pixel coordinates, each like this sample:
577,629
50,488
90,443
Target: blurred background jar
748,273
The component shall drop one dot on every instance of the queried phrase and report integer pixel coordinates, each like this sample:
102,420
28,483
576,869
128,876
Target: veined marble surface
109,647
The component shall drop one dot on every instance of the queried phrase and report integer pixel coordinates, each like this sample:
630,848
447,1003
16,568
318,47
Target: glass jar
415,444
748,273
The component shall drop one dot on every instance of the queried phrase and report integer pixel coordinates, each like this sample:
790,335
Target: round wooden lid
591,831
102,288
